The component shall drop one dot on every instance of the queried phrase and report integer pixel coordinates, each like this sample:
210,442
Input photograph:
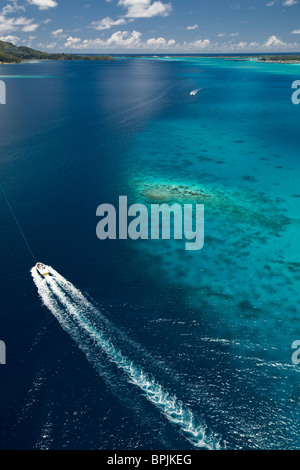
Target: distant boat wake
76,315
194,92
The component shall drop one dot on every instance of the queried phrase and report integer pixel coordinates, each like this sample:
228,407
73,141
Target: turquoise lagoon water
236,140
210,331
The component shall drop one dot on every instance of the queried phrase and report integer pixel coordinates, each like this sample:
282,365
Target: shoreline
270,59
84,58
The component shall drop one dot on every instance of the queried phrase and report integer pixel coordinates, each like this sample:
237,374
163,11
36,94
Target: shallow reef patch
244,207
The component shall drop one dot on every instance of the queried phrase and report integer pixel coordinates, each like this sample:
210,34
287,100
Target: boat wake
80,318
195,92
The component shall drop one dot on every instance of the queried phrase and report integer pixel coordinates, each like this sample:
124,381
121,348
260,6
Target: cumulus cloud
274,41
123,39
10,38
133,40
120,40
43,4
107,23
72,42
160,43
192,27
9,25
145,8
201,43
296,31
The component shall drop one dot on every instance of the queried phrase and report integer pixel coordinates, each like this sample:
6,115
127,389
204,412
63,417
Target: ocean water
141,344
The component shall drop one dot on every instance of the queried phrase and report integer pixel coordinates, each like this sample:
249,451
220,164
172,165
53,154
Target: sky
152,26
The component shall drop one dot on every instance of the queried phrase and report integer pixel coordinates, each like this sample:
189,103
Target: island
11,54
288,58
280,59
268,59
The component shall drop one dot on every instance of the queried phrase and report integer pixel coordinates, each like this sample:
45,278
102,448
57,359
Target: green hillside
10,54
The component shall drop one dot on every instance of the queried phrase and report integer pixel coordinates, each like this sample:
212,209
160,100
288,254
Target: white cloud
107,23
30,28
201,43
43,4
160,43
192,27
123,39
9,25
11,7
296,31
145,8
10,38
71,42
132,40
58,33
274,41
120,40
242,45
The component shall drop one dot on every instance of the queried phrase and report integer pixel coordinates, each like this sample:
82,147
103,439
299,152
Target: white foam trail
70,307
194,92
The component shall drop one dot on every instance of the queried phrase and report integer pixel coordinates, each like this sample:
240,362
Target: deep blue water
213,328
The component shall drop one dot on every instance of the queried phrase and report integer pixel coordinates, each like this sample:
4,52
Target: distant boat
194,92
42,269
